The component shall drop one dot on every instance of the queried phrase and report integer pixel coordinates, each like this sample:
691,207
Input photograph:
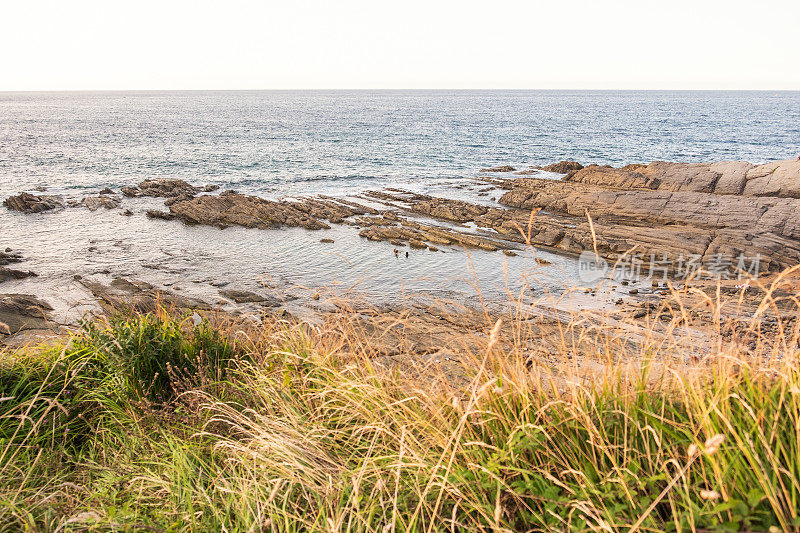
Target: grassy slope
148,422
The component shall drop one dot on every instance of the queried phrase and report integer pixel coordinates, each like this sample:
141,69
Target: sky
391,44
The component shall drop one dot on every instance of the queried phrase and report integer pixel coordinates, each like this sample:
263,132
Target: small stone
510,253
326,240
634,291
163,215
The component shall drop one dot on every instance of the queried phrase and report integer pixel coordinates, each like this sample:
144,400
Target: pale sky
374,44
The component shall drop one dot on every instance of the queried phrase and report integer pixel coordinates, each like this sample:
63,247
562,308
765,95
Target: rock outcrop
31,203
779,179
420,236
166,188
231,208
707,209
139,296
562,167
9,256
504,168
93,203
240,296
7,274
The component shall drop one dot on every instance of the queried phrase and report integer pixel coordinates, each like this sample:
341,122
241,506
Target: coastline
503,217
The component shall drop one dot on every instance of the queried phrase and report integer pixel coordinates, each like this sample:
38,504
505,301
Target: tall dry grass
682,419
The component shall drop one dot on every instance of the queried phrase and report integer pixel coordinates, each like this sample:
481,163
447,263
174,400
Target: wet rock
510,253
327,241
106,191
504,168
7,274
20,312
418,235
9,256
30,203
241,297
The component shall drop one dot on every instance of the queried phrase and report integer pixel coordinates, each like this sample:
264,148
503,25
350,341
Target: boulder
107,201
31,203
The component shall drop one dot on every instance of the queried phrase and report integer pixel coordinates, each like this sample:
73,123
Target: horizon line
385,89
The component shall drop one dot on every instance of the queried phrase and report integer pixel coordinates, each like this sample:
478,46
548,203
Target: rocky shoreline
706,211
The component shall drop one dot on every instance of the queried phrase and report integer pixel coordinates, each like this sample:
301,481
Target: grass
148,422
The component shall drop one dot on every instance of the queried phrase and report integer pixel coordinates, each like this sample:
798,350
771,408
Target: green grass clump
148,422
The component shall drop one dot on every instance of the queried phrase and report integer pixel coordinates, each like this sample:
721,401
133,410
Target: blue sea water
291,143
288,142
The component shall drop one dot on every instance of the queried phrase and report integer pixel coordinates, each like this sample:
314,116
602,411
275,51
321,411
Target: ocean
297,143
